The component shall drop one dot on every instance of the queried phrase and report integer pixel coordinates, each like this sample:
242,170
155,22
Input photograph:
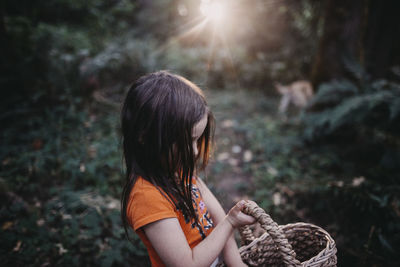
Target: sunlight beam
213,11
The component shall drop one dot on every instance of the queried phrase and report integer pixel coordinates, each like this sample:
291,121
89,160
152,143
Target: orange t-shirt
147,204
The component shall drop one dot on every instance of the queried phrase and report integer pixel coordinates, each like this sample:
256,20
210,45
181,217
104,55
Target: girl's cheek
195,150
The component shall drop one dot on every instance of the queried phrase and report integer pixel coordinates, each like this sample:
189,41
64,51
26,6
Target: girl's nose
195,150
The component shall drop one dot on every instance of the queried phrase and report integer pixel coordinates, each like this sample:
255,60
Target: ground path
229,175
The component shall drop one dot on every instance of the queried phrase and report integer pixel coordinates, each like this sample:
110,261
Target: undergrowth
61,175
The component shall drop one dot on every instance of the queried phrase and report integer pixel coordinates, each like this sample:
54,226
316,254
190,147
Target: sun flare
214,11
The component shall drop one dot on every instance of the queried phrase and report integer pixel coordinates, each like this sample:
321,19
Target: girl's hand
237,218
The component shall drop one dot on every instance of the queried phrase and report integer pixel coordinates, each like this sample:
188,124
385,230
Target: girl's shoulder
142,183
147,203
145,191
144,188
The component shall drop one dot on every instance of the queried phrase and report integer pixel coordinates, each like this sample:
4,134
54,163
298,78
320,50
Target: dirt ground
228,174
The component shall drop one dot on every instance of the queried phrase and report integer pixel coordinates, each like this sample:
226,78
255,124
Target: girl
167,131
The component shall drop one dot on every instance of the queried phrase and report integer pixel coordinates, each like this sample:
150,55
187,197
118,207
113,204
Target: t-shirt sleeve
147,205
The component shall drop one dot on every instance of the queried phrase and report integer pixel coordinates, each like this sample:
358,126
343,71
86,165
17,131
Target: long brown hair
157,119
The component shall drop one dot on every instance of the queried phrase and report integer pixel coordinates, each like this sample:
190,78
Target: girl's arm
230,252
169,241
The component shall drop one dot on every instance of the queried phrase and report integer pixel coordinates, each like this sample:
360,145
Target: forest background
66,65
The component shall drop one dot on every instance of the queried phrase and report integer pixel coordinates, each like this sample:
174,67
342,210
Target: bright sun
214,11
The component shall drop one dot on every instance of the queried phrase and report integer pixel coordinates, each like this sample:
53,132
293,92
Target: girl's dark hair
157,119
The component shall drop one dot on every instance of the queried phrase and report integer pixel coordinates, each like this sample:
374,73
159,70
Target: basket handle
246,235
272,228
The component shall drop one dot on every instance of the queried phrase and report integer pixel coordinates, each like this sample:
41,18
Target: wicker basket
297,244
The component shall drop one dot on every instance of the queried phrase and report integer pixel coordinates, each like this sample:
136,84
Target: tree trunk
340,40
382,38
2,24
364,31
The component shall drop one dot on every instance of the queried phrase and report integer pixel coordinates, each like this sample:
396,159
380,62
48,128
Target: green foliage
71,228
284,165
61,143
359,122
346,109
43,46
60,166
122,60
186,61
60,184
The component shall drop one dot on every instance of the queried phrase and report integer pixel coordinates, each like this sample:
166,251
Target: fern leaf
331,94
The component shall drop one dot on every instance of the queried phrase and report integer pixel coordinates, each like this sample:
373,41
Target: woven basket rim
329,249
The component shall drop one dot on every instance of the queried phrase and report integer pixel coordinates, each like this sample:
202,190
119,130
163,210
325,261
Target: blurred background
306,94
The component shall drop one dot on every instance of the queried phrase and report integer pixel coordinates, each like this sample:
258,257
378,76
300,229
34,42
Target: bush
71,228
342,108
359,122
61,180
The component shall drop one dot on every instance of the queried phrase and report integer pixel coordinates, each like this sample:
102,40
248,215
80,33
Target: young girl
167,131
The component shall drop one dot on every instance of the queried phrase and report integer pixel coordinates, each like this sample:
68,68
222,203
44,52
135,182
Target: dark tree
382,38
365,31
342,28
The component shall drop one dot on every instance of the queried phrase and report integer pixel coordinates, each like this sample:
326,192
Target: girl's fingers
240,204
246,218
238,217
238,207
